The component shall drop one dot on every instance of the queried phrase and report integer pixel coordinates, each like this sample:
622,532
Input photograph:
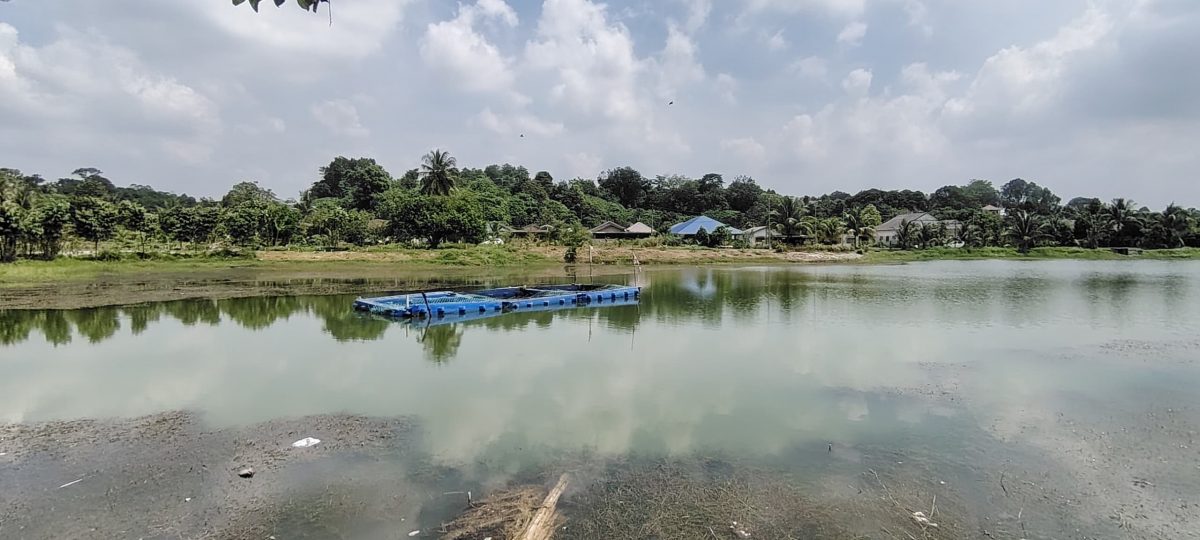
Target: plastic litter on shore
305,442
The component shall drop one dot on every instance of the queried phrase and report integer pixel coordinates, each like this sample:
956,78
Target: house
693,226
528,231
608,229
885,234
993,209
613,230
641,230
757,236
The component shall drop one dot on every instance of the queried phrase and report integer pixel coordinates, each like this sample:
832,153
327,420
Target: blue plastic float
444,303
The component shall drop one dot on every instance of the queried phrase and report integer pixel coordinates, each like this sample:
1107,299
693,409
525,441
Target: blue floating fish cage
505,299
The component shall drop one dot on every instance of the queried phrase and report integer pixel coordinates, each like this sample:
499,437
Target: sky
1088,97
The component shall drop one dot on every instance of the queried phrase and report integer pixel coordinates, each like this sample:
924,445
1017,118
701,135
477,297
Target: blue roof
693,226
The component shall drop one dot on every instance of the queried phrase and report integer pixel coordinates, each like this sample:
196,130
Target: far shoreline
76,283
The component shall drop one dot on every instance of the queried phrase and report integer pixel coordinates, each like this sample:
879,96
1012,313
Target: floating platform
505,299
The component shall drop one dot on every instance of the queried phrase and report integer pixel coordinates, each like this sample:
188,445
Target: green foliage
247,192
1025,230
438,173
48,221
626,185
244,221
434,219
356,182
94,219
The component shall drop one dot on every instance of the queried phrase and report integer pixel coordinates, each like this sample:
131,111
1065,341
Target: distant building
613,230
692,226
528,231
757,236
992,209
885,234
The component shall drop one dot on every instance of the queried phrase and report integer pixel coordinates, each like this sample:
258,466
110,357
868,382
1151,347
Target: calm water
967,363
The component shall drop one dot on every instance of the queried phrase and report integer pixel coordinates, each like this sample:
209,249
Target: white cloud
776,41
747,149
518,124
727,88
852,34
677,64
858,82
837,7
697,13
1025,81
80,85
582,164
454,48
812,67
339,116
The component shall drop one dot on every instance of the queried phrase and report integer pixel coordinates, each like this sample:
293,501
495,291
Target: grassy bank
890,256
385,259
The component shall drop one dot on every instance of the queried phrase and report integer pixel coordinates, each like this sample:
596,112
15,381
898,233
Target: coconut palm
438,173
931,235
857,227
1025,229
1092,221
792,221
1123,221
829,230
1175,224
907,234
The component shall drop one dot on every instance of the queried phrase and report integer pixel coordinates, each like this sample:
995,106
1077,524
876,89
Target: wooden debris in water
544,521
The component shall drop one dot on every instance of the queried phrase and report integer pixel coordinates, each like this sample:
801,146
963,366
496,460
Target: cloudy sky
1089,97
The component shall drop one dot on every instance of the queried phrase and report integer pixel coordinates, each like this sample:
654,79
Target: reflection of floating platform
447,303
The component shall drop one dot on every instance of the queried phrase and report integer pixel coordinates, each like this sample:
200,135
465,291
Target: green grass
1101,254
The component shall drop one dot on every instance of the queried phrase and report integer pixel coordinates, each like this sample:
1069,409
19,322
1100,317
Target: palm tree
1092,221
437,173
829,230
1175,223
931,235
1123,220
858,228
906,234
792,221
1025,229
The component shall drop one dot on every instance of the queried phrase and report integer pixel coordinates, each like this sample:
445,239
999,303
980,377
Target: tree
1019,194
326,220
870,216
791,219
438,173
244,221
12,221
1123,222
1025,229
47,223
626,184
1173,225
543,179
435,219
981,193
931,235
280,222
204,222
908,234
95,219
742,193
132,216
356,182
247,192
858,224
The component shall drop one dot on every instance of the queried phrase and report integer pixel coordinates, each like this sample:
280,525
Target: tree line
355,201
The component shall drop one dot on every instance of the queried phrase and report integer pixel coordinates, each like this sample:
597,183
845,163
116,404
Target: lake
1033,399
